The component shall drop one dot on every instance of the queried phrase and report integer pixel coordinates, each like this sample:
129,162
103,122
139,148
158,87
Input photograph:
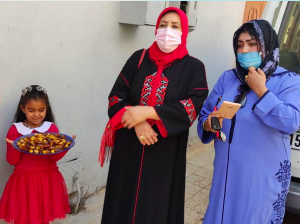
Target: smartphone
229,109
215,124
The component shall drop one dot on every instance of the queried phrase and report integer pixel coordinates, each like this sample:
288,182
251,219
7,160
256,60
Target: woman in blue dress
252,168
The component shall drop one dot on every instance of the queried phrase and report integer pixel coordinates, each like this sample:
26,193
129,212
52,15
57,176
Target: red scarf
161,59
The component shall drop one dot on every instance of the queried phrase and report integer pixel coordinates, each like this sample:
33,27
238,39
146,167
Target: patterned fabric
161,88
190,109
261,38
161,91
284,177
284,174
113,100
147,89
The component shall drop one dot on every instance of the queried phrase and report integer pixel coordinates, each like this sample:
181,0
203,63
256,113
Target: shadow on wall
127,32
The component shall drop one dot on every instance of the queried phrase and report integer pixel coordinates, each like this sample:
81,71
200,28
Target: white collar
23,130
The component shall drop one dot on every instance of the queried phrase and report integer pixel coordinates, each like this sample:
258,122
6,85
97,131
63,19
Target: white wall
76,50
270,10
211,41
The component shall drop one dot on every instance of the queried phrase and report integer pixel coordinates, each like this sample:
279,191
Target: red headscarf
161,58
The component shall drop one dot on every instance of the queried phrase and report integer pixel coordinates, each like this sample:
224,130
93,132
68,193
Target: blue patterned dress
252,168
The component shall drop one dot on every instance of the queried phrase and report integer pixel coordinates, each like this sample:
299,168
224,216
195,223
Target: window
289,38
184,6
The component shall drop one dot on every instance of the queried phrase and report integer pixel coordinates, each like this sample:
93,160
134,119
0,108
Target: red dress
36,192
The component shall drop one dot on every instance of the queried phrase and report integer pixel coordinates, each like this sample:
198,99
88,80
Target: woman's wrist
204,126
261,91
151,113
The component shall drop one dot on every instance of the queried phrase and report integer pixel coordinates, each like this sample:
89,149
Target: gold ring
142,137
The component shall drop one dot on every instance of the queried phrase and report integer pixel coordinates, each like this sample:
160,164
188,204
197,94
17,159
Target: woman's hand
207,123
145,133
9,141
133,116
256,80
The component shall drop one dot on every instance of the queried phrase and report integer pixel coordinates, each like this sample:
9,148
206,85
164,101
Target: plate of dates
47,143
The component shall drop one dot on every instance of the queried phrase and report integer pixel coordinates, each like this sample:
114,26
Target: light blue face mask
249,59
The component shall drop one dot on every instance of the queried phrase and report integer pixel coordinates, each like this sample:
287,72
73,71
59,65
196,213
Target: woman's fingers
261,72
145,140
126,124
145,133
124,117
141,137
149,139
221,121
141,140
131,125
252,69
209,125
220,116
215,114
154,136
9,141
133,116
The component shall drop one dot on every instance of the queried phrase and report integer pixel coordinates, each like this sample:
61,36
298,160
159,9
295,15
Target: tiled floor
198,182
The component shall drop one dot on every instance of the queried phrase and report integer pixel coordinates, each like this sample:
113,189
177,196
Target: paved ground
198,182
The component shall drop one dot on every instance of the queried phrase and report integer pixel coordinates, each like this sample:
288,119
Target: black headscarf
269,46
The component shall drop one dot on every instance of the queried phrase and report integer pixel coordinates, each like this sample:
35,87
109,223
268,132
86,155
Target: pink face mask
168,39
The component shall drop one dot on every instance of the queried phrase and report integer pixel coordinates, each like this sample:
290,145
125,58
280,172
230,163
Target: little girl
36,192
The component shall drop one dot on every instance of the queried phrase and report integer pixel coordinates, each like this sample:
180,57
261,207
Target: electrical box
189,7
146,13
140,13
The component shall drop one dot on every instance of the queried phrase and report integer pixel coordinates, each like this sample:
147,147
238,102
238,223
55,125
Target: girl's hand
207,123
9,141
134,116
149,135
256,80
